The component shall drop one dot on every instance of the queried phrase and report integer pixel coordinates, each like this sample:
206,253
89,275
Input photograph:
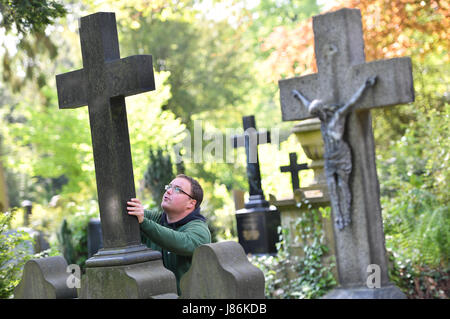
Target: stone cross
294,168
339,50
102,85
250,140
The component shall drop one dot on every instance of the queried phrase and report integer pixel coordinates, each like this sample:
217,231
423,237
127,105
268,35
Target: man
338,160
177,230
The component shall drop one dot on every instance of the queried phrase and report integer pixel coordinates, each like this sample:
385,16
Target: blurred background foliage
216,61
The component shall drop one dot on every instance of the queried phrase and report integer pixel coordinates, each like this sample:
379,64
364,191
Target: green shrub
73,235
414,179
290,276
13,255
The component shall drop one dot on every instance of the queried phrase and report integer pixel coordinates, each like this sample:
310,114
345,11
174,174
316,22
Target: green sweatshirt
176,241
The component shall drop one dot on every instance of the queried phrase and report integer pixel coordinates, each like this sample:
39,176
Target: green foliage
25,23
13,255
45,146
415,191
27,16
72,236
418,281
159,173
269,14
413,170
290,276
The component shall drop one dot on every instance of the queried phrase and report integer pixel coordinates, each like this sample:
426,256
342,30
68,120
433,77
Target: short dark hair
196,189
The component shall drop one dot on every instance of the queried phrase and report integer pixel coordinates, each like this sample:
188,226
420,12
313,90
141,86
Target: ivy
290,276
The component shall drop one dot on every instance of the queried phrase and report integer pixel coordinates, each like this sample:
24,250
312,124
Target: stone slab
222,271
45,278
386,292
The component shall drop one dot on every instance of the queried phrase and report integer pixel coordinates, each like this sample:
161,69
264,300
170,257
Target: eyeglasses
177,189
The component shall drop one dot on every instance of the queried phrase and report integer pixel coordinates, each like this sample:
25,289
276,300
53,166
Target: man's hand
135,208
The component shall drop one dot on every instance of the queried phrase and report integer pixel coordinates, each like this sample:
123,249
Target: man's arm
184,242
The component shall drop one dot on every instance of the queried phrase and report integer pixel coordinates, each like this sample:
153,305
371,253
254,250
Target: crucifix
294,168
258,222
102,84
346,83
250,140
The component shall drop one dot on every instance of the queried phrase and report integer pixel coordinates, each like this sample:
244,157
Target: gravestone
124,267
222,271
38,242
258,221
4,201
342,71
94,233
45,278
294,169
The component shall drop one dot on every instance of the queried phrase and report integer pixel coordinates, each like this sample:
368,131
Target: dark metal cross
103,84
250,140
294,168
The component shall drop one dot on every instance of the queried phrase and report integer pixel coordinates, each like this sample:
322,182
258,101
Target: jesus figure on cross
338,160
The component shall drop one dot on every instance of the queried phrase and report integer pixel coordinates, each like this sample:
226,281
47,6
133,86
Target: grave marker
294,169
257,222
339,49
103,84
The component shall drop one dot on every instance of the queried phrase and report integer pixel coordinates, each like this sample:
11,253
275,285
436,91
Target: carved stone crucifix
339,50
338,157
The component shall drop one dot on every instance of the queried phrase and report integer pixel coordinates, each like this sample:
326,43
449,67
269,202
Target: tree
390,28
26,23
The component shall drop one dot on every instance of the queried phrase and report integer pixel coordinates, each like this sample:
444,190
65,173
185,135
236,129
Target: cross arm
72,89
394,83
128,76
131,75
291,108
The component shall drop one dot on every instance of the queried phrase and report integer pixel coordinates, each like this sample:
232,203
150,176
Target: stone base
144,280
386,292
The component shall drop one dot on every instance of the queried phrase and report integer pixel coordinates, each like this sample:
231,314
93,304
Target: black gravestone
95,241
257,223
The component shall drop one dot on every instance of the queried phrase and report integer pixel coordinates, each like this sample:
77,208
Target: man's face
177,202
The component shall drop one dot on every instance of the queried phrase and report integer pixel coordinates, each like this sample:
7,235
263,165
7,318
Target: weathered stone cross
294,168
251,139
339,50
103,84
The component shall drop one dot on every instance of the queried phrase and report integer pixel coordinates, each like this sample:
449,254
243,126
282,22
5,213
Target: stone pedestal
386,292
135,272
309,136
257,225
